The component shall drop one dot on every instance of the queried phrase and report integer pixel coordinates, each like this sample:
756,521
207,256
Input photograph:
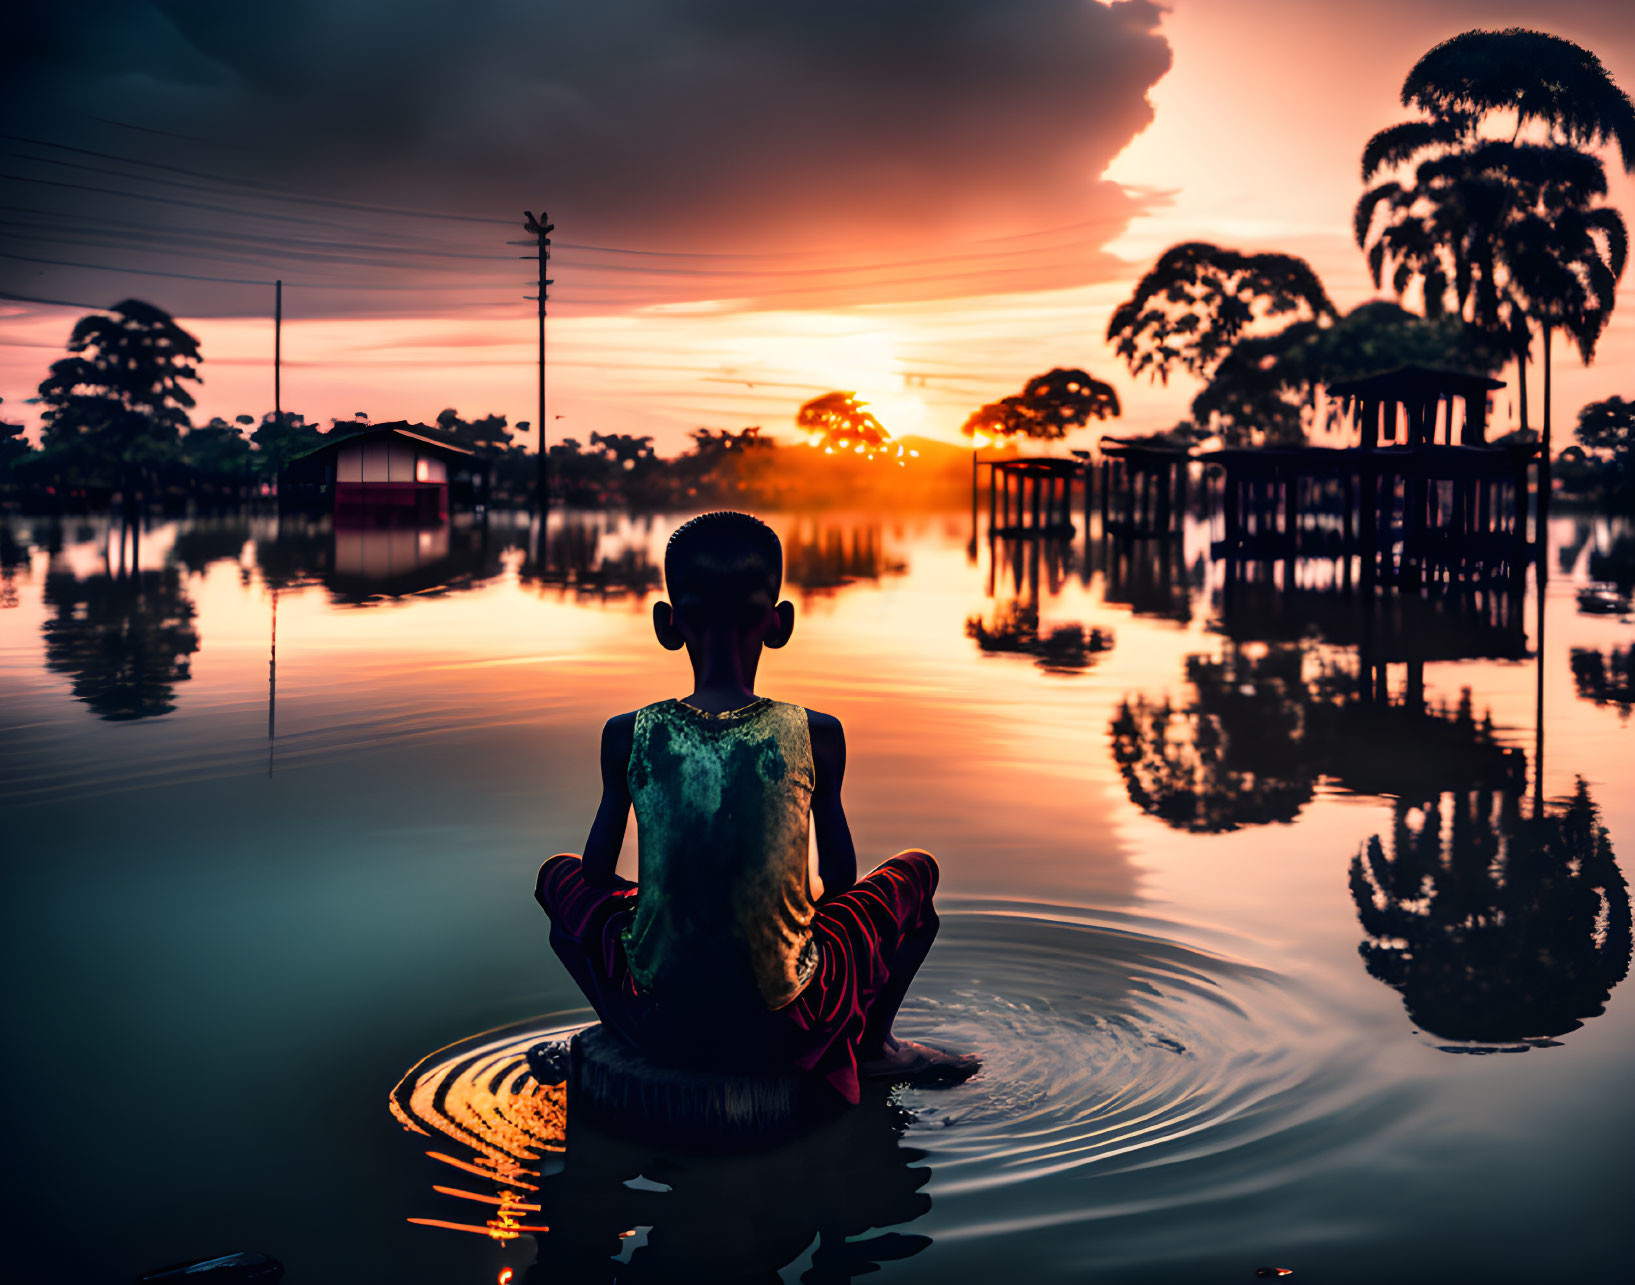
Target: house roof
1416,381
396,428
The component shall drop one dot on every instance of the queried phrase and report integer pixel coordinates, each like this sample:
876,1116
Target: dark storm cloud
748,127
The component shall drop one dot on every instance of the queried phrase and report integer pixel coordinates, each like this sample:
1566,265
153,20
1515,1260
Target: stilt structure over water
1031,496
1403,507
1143,487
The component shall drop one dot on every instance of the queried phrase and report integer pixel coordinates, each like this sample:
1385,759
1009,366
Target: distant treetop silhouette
1048,408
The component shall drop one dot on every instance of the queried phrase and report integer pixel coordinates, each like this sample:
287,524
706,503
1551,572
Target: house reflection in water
359,565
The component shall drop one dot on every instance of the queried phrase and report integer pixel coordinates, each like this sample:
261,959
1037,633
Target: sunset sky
924,202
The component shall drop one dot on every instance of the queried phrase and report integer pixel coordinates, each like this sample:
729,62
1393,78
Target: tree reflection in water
1233,755
124,640
15,553
820,558
206,540
1607,678
734,1218
1266,722
1063,649
1499,930
572,560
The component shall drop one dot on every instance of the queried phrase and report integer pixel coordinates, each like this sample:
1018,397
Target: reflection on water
1150,577
1499,929
482,1097
364,565
14,562
206,540
123,639
1235,753
583,556
622,1212
1175,1098
1302,691
1606,678
821,555
1019,570
1058,649
1109,1047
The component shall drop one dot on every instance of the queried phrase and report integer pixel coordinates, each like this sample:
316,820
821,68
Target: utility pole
541,231
278,352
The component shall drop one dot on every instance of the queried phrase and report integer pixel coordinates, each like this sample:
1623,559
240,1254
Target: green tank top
723,806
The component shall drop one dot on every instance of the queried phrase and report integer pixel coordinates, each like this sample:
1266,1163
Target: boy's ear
664,627
779,634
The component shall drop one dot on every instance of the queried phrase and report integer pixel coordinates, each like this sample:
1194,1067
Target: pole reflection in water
1016,628
606,1209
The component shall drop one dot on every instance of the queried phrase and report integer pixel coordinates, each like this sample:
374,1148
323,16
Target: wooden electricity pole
540,229
278,352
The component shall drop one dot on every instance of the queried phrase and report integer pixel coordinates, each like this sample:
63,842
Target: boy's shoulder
828,741
824,724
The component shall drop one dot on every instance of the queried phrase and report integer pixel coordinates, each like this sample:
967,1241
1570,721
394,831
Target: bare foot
906,1061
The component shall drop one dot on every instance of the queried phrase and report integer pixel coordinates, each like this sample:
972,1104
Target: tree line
1486,219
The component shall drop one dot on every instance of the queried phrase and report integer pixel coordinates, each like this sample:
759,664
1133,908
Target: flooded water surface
1291,927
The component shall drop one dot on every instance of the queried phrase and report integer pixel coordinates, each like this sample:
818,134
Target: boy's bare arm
601,856
837,858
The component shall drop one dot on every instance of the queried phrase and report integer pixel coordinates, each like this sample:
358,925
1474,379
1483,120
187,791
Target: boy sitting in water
732,952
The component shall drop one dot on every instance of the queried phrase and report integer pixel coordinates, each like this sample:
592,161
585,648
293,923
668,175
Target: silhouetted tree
14,448
115,408
279,440
124,640
1508,225
1049,407
1606,429
1497,929
218,456
1538,76
1269,382
722,464
841,422
1199,299
1198,302
488,436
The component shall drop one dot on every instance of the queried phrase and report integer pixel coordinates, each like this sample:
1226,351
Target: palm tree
1540,77
1522,78
1468,213
1564,266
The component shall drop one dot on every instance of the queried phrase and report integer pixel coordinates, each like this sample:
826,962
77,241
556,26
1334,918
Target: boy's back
722,804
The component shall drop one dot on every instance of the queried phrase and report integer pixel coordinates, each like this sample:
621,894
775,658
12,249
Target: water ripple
1110,1046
